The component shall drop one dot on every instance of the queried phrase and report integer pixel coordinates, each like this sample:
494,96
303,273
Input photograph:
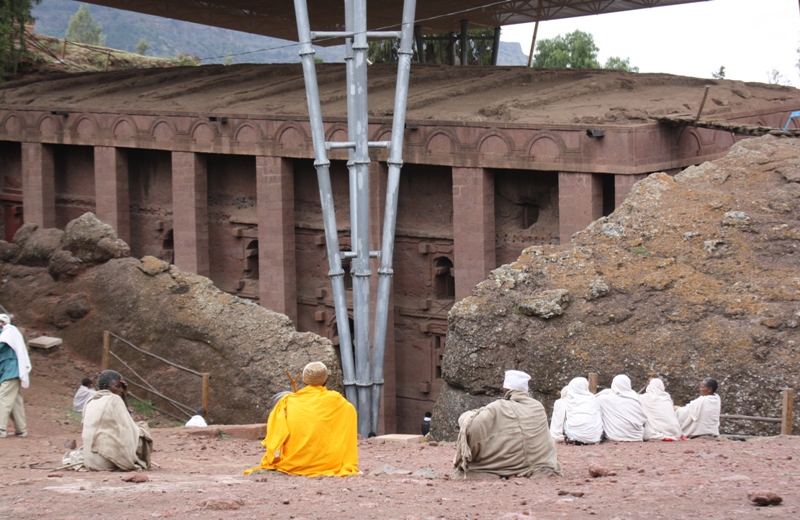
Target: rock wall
693,276
74,284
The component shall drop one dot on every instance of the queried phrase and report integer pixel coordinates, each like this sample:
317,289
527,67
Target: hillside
167,38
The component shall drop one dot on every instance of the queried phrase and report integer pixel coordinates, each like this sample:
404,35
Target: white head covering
12,337
5,319
621,385
516,380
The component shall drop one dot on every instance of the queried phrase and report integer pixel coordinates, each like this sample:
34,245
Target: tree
141,47
438,47
83,29
14,14
576,50
617,63
774,77
720,74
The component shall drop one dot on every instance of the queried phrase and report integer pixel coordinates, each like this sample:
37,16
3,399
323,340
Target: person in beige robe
509,437
112,440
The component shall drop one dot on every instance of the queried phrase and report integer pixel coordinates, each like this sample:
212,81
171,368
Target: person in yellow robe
312,432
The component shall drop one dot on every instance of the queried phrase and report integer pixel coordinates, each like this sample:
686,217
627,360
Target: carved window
444,278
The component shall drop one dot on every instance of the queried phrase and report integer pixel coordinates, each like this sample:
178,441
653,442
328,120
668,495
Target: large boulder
693,276
85,233
183,317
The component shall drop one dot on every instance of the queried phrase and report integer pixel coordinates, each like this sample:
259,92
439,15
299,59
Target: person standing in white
701,416
15,367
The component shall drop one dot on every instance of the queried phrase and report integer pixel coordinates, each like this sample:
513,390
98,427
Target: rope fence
145,385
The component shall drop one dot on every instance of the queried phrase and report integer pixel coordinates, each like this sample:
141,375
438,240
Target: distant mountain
166,38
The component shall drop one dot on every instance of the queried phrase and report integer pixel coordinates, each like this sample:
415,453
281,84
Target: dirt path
201,476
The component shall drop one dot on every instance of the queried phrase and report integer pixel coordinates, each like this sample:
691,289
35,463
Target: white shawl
583,421
700,417
559,412
623,417
662,422
12,337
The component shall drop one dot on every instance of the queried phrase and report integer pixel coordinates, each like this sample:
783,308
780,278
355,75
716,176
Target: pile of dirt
476,94
77,283
691,277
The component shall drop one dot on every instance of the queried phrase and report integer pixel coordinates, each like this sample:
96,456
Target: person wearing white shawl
508,437
557,420
662,423
583,423
623,417
701,416
15,367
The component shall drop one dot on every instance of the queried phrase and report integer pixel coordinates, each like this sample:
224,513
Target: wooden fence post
205,391
593,383
108,58
64,49
106,346
787,415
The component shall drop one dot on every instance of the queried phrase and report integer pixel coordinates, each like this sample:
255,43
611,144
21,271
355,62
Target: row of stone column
580,202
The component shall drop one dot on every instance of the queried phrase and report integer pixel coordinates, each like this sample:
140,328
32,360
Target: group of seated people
313,431
623,415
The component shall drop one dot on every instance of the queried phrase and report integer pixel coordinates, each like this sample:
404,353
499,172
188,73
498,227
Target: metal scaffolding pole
363,379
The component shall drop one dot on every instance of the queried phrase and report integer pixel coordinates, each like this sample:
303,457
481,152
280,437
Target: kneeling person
509,437
312,432
111,438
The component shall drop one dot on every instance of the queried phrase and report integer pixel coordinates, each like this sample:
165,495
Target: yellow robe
312,432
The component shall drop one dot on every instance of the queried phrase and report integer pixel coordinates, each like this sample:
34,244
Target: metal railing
145,385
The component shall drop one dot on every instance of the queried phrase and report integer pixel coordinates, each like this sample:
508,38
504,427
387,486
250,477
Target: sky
747,37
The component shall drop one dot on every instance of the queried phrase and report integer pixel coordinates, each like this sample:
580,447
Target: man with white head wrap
312,431
15,367
583,423
508,437
662,423
623,417
559,414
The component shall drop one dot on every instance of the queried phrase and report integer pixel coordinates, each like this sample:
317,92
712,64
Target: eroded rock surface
693,276
63,284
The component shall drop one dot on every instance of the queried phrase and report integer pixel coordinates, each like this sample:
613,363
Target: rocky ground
201,476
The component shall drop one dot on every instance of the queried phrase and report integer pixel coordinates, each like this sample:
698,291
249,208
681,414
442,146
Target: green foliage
185,60
617,63
141,47
317,59
83,29
14,14
640,250
576,50
142,407
479,51
720,74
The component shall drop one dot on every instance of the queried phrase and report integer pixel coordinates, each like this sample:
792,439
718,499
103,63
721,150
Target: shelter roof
277,19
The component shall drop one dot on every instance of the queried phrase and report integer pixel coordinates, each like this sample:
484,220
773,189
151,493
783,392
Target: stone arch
85,127
495,143
203,133
440,142
13,125
689,144
48,126
291,135
336,133
162,131
124,129
546,146
247,133
383,133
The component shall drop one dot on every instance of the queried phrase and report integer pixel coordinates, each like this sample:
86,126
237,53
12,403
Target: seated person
198,419
559,411
661,424
701,416
312,432
85,391
583,423
111,438
623,417
508,437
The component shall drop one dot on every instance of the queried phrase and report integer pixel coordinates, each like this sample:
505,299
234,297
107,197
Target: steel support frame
363,376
